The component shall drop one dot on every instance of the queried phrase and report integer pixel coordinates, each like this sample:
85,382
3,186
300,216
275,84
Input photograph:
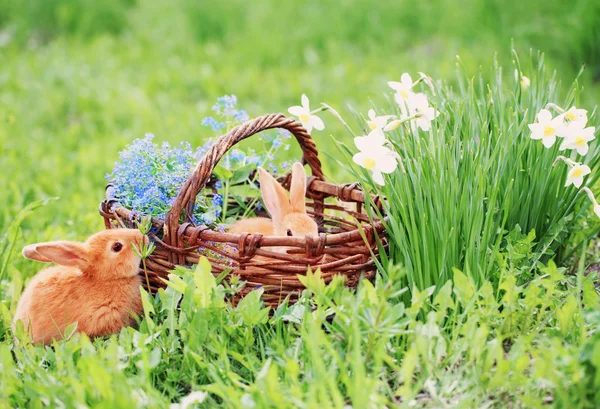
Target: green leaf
590,296
313,281
242,174
205,283
251,308
463,286
148,308
222,172
7,242
566,314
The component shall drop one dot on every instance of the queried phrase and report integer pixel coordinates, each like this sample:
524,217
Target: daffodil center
369,163
403,94
577,172
548,131
579,141
570,116
372,125
304,117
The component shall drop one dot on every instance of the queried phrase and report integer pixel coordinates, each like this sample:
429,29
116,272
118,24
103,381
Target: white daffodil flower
418,105
377,122
374,139
593,199
546,127
375,157
578,137
308,120
576,174
403,88
575,115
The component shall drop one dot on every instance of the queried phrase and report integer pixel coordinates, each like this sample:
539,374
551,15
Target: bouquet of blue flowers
148,177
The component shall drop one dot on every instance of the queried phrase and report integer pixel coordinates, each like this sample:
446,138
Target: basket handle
204,169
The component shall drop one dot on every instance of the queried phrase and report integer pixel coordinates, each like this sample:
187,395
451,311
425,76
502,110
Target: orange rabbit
95,284
289,215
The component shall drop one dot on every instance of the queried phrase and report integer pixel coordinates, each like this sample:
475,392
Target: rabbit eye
117,247
289,232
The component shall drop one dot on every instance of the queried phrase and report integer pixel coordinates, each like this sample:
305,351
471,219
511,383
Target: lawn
471,310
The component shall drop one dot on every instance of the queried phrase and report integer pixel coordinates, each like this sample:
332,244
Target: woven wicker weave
346,245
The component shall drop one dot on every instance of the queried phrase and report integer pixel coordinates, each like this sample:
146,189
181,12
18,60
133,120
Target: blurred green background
80,79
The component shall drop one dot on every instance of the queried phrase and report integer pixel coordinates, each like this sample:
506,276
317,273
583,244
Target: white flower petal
297,110
387,163
359,158
544,116
362,143
395,85
583,150
406,80
305,102
317,122
586,170
378,177
424,124
371,114
537,131
548,141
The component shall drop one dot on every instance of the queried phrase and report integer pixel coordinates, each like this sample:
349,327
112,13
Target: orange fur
94,286
289,215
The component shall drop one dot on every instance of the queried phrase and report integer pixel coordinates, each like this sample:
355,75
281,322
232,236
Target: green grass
79,80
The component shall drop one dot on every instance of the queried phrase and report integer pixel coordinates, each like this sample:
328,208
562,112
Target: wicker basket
346,245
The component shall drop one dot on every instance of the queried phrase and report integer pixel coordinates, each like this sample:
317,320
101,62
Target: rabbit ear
31,253
298,188
274,195
64,253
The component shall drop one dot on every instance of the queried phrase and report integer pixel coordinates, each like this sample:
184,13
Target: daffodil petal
359,158
317,122
548,141
544,116
378,177
305,102
387,163
296,110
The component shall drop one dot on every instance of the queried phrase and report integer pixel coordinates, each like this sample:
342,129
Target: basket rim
111,208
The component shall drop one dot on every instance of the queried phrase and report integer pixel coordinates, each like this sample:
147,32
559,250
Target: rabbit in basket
95,284
289,215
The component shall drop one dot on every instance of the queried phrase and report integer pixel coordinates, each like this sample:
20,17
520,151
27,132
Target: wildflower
546,127
377,123
576,115
308,120
419,106
593,199
190,400
578,137
375,157
211,122
576,174
403,88
217,200
241,116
